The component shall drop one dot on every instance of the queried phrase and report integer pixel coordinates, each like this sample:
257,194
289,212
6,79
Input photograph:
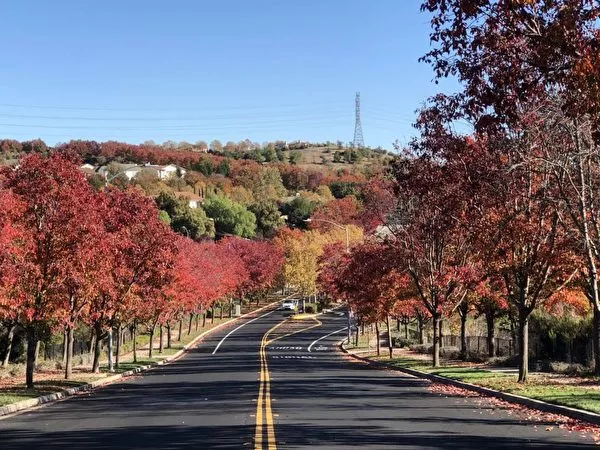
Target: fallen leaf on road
550,420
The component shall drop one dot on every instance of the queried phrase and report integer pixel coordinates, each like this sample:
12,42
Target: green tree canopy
192,222
230,217
268,217
298,210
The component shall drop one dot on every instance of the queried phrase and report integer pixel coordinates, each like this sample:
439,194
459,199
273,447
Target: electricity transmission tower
358,142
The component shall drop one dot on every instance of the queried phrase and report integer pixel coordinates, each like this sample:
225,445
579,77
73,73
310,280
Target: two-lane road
263,388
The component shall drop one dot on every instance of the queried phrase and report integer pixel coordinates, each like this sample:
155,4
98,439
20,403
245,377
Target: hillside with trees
100,238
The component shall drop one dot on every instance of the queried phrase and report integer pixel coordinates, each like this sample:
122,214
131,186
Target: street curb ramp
540,405
50,398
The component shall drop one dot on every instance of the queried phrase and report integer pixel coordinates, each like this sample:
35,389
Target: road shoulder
539,405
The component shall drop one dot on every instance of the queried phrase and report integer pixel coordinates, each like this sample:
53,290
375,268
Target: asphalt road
264,373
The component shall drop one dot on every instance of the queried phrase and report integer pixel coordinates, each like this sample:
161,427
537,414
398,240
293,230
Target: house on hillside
131,171
114,170
169,171
87,169
165,172
193,200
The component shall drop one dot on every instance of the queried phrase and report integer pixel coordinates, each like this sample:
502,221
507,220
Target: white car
289,305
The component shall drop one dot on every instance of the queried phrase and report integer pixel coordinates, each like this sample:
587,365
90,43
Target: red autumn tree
378,202
530,67
86,274
431,241
343,211
410,307
262,262
11,255
371,283
142,259
54,197
491,303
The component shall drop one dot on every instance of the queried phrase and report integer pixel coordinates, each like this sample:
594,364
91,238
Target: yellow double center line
264,412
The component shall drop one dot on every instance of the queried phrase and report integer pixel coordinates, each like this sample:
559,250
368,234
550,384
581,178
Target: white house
132,170
115,170
169,171
193,200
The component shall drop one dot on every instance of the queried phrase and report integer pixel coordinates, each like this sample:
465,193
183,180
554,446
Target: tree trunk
513,334
151,345
406,330
596,338
109,350
179,334
31,346
377,337
420,326
212,315
119,343
69,356
437,326
397,324
160,339
92,342
230,308
463,336
221,311
65,345
134,341
441,332
491,334
523,347
190,324
97,348
356,337
389,336
37,351
203,319
168,335
9,342
196,322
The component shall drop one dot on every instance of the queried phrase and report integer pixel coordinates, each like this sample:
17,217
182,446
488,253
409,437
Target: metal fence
478,344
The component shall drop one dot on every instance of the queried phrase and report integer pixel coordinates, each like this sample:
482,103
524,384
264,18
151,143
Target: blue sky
136,70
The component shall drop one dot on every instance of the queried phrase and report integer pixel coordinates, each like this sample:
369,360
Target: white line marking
242,325
323,337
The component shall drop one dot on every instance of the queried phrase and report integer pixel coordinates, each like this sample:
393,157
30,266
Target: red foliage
262,261
370,282
378,202
343,211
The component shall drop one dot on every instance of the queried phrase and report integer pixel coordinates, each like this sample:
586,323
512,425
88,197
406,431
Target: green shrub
421,348
402,342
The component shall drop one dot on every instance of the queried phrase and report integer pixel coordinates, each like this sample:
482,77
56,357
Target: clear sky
135,70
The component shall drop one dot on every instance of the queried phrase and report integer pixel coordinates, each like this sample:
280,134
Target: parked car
289,305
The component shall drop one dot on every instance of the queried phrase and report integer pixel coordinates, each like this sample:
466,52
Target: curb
540,405
51,398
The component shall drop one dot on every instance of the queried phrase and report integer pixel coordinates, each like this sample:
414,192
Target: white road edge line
235,329
323,337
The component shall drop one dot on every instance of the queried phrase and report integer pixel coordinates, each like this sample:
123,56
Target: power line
249,126
325,113
224,108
